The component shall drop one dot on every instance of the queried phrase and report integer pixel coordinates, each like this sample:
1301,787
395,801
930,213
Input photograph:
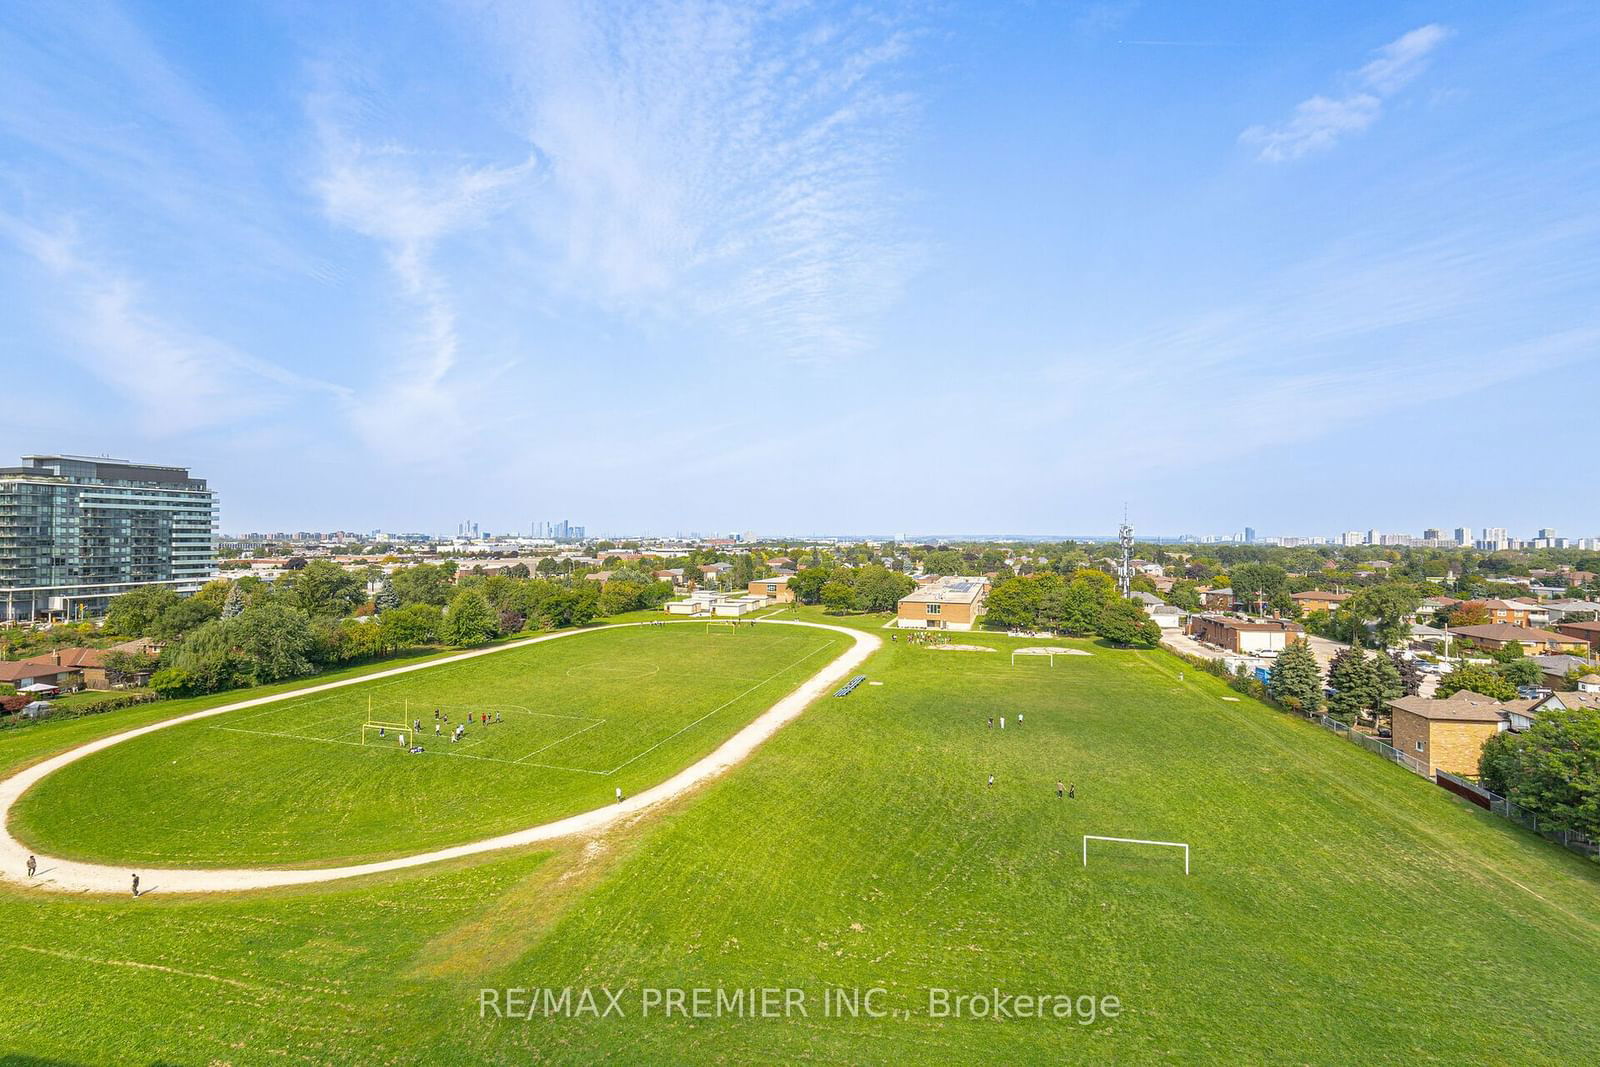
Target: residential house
1217,599
1448,734
1507,612
1319,600
1576,610
1498,635
1555,669
1160,612
1587,632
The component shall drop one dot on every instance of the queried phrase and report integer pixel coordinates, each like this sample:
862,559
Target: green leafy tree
807,584
1184,595
1476,678
322,589
880,589
1521,671
469,621
838,596
1552,769
570,604
133,613
1013,604
410,626
1296,679
275,641
1387,608
207,661
1124,622
426,583
1259,584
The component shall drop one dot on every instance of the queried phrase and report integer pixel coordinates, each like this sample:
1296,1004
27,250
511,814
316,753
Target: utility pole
1125,538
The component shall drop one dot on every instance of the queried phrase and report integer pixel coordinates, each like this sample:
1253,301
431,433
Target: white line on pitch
553,744
719,707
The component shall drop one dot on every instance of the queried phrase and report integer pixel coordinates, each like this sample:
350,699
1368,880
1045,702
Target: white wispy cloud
170,378
409,202
721,161
1321,121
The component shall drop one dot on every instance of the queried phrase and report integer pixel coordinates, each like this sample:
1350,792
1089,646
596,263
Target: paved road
71,876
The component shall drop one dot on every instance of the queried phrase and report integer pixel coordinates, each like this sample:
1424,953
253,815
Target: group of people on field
923,637
1063,790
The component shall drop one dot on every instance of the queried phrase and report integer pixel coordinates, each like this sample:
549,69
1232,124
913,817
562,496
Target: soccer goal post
373,728
726,626
1135,841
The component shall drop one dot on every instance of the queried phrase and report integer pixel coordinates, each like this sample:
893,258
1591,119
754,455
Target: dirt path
70,876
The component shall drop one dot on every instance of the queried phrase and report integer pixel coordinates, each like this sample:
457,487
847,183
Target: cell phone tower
1125,571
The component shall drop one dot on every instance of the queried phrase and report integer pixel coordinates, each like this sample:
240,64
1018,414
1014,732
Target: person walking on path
33,865
136,886
619,794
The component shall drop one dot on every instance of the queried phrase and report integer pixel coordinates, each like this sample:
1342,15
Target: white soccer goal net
1135,841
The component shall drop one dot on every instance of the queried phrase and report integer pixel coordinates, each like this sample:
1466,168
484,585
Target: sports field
548,730
1339,909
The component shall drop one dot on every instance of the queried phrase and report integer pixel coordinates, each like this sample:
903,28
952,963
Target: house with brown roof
1509,612
69,668
1448,734
1498,635
1319,600
1246,636
1588,632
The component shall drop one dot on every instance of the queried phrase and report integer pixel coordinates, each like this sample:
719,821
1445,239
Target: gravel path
71,876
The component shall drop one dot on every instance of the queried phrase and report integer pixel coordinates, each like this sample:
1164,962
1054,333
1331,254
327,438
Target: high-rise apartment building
76,531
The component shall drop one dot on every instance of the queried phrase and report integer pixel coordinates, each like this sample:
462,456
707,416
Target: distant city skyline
934,267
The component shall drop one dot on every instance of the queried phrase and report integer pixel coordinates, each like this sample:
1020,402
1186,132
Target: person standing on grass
1002,722
1072,791
436,730
1061,790
619,794
136,885
991,722
1019,720
33,865
991,781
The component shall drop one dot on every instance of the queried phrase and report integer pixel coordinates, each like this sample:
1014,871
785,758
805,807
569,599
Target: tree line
1084,604
250,632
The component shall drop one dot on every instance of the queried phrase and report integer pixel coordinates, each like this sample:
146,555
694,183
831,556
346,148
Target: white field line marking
426,751
75,876
553,744
719,707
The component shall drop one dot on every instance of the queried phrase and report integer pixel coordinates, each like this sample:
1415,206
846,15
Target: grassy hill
1339,906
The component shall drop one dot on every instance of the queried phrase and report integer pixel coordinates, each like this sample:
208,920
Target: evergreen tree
233,605
387,599
1296,680
1354,684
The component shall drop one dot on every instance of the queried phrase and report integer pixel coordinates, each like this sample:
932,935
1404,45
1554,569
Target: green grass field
1340,908
300,782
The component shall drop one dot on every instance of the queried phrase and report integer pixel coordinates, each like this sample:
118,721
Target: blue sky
896,268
